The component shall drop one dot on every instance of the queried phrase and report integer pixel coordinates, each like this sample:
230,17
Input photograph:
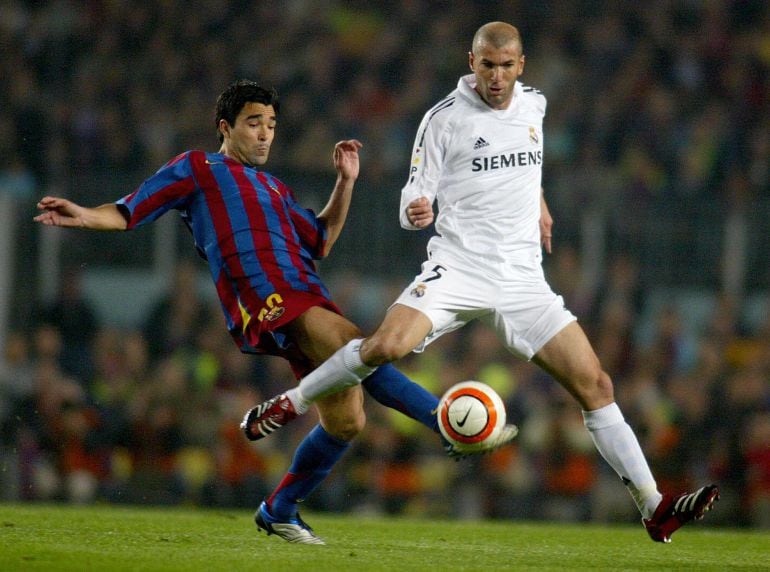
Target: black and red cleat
266,417
673,512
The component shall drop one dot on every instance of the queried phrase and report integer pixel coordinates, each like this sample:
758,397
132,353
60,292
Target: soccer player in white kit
478,154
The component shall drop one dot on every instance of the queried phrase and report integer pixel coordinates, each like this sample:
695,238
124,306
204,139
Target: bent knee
345,428
385,348
596,390
342,414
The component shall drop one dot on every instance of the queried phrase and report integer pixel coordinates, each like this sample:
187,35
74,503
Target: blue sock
393,389
313,461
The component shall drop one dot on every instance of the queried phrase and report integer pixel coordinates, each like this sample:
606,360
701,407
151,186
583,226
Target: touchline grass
58,537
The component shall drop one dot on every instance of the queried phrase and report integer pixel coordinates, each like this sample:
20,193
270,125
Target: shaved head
497,60
496,35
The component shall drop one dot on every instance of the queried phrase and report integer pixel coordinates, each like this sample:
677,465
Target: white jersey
484,168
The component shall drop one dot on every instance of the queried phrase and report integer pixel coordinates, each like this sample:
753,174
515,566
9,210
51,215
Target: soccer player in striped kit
479,153
260,244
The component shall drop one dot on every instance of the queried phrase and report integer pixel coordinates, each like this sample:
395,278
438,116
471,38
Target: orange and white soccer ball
470,413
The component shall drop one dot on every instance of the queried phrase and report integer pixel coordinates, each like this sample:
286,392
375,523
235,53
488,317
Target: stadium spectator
16,390
73,315
175,319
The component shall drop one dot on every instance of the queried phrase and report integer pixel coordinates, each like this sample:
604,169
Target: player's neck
227,152
498,107
223,150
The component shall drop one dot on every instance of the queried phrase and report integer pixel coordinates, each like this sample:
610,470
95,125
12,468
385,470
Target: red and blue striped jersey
259,242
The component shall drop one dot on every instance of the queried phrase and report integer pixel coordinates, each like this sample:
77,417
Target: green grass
53,537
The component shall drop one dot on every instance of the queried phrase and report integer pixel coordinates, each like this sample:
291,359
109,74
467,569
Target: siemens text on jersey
521,159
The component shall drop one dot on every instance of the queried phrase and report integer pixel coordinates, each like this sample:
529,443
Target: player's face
497,70
249,140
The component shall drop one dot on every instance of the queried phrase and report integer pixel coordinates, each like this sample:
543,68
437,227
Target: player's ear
470,60
224,127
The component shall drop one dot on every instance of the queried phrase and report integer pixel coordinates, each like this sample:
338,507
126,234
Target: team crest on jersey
275,313
533,137
272,309
418,291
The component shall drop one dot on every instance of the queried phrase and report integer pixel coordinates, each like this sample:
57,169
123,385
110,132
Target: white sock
617,443
342,370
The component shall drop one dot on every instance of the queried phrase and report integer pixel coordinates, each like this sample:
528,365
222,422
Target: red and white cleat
266,417
673,512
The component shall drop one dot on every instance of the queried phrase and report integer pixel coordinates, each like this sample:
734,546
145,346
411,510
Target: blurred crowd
658,111
150,415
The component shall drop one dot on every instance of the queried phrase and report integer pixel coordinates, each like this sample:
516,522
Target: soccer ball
469,414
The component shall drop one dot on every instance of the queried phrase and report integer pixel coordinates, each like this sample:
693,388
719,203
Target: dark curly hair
231,101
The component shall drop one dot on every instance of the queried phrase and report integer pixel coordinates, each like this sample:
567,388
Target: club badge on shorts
418,291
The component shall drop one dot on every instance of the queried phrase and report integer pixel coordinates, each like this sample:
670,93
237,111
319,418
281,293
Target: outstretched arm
65,213
336,210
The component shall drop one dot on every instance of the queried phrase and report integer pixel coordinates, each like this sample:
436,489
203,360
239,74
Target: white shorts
521,307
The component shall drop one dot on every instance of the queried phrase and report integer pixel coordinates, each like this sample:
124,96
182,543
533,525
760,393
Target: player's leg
315,333
439,300
406,325
313,460
323,336
402,330
387,385
318,332
318,452
391,388
421,313
346,366
533,322
321,333
570,359
341,415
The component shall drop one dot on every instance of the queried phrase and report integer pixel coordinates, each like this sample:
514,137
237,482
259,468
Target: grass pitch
53,537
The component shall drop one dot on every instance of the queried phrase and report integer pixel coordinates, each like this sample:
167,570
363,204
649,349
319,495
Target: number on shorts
436,273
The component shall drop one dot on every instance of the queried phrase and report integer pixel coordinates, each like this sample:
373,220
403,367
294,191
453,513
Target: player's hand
59,212
420,212
346,158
